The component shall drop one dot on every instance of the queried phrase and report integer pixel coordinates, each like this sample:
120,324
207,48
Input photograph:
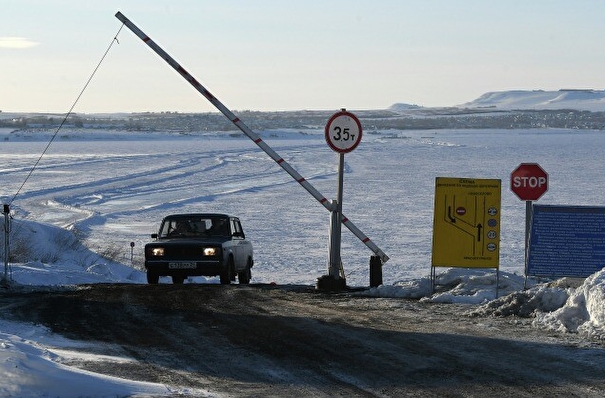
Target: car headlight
209,251
157,251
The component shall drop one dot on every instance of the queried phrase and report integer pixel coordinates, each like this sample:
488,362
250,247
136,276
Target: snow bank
455,285
45,255
583,312
560,305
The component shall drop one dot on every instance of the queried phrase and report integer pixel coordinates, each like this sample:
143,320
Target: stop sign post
529,182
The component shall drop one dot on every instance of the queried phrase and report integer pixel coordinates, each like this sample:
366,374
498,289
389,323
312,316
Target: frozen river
114,189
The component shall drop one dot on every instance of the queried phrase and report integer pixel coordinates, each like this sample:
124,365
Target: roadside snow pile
583,312
45,255
557,306
455,285
525,303
562,305
35,362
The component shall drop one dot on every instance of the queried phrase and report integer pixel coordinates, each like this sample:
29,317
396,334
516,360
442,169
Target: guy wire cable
114,40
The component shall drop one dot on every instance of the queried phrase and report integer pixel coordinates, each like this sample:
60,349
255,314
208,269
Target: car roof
200,215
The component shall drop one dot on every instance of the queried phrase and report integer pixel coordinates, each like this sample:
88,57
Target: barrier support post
375,271
6,211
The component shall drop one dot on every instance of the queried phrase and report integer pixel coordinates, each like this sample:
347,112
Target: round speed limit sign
343,132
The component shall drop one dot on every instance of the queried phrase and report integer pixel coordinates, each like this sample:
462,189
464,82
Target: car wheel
178,280
245,276
152,278
226,275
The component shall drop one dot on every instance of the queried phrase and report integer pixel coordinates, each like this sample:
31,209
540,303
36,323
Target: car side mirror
154,236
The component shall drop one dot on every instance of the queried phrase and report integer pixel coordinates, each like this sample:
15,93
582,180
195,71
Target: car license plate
182,265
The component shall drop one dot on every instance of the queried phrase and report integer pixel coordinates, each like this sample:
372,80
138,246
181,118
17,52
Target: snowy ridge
402,107
584,100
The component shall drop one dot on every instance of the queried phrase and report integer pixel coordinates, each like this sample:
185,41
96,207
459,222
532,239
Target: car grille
183,253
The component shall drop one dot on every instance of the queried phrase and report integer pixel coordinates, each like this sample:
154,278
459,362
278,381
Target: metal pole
336,229
528,217
6,212
341,166
249,133
333,256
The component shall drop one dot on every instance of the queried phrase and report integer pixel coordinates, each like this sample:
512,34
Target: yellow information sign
466,225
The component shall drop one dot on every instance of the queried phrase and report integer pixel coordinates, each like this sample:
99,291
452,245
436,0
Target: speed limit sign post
343,134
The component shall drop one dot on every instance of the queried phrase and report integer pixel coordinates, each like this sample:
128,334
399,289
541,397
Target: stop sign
529,181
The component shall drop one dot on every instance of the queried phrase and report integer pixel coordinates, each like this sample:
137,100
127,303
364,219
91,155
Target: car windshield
194,226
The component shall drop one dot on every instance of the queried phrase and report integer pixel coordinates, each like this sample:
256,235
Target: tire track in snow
149,182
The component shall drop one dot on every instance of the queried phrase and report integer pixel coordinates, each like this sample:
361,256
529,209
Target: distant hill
582,100
401,107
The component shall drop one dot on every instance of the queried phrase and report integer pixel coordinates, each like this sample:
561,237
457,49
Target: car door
239,244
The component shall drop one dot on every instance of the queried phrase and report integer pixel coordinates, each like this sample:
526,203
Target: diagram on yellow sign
466,223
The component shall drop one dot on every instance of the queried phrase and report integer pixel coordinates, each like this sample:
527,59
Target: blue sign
566,241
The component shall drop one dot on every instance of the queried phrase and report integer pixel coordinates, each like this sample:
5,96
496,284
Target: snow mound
526,303
46,255
583,312
584,100
454,285
558,305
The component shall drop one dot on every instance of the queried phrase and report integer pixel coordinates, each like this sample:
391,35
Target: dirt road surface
260,340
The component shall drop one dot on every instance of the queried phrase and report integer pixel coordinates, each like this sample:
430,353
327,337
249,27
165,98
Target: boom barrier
250,134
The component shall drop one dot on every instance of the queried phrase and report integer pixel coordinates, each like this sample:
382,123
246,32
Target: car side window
167,226
236,228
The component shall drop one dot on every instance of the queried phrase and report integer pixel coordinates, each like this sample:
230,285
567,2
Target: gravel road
260,340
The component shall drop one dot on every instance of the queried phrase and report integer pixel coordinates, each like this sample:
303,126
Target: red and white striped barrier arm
249,133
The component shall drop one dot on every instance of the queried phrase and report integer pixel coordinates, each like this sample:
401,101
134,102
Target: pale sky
283,55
